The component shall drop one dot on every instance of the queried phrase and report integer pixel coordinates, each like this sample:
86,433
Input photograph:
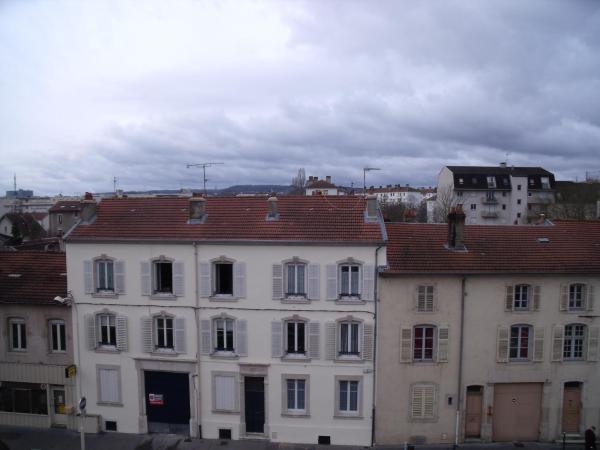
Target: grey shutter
147,339
146,279
593,338
314,340
88,277
368,342
241,338
276,338
557,343
239,279
277,281
406,343
314,281
205,336
330,340
537,297
205,287
419,294
434,300
122,333
368,287
90,321
509,298
332,285
119,277
502,345
443,343
538,344
564,297
179,338
590,298
178,279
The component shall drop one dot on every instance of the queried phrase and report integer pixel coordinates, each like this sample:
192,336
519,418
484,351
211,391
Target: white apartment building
229,317
399,194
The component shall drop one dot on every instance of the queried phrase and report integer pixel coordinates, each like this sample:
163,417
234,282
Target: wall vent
324,440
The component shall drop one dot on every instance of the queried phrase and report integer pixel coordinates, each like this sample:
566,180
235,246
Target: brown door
571,408
517,411
473,413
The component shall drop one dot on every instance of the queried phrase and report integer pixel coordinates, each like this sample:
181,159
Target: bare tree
299,182
446,200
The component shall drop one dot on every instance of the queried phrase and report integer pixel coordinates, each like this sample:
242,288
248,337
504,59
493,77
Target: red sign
156,399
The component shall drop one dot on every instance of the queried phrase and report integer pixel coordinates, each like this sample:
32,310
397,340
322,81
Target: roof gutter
347,243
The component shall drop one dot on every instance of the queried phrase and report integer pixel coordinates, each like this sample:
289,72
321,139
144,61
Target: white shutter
146,278
330,340
179,338
277,281
593,338
590,298
538,344
122,333
239,279
537,297
416,402
419,298
557,343
564,297
147,339
225,392
119,277
205,287
88,277
314,281
428,402
509,298
443,343
241,338
368,342
332,285
205,337
368,286
406,343
423,402
178,279
502,345
109,385
90,321
314,340
276,338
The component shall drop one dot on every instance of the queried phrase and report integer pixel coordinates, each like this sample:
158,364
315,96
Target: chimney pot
273,213
456,229
197,208
328,178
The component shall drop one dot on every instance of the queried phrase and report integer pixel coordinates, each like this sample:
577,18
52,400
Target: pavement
18,438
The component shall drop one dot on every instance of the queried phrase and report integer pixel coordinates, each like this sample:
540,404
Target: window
545,182
223,278
518,187
505,182
577,292
296,395
109,384
27,398
425,298
491,182
531,181
18,334
459,194
518,215
224,335
350,275
518,201
473,206
521,299
296,279
60,217
461,181
474,180
574,340
519,341
104,276
422,401
58,335
348,396
107,331
424,336
295,337
490,196
224,392
163,277
348,339
164,332
504,207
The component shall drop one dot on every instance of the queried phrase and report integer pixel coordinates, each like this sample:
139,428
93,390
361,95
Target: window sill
342,415
101,403
221,354
302,299
106,349
18,350
349,358
158,296
424,312
57,353
225,411
299,414
425,362
521,361
295,357
164,352
107,294
349,300
222,298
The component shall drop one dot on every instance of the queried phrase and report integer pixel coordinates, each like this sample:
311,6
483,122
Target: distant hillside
231,190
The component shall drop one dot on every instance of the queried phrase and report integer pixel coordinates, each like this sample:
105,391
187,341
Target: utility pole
365,170
204,166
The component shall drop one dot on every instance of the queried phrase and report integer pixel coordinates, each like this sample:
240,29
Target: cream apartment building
488,333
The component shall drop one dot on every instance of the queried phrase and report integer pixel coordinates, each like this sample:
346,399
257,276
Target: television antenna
365,170
204,166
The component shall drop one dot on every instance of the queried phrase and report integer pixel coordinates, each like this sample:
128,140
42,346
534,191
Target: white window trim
425,288
53,324
295,296
584,338
215,351
153,280
528,293
295,412
96,274
295,320
584,293
22,329
530,343
434,348
338,351
351,297
155,318
358,414
99,390
97,321
423,417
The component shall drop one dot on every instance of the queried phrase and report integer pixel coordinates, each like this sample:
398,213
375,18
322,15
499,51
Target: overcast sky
95,89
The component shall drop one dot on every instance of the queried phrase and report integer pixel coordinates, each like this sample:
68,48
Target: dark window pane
224,278
164,277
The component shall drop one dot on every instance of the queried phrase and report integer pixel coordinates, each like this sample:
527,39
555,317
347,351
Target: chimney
456,229
88,207
503,164
197,208
328,178
541,219
273,213
371,212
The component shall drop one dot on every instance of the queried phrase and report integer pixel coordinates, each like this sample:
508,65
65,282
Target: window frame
156,335
215,277
61,337
423,417
491,181
155,278
96,274
295,412
348,413
215,327
583,299
520,289
572,342
100,401
423,348
351,322
519,347
350,295
99,328
22,333
286,346
427,298
286,279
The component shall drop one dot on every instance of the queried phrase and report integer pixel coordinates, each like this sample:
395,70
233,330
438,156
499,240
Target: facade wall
64,223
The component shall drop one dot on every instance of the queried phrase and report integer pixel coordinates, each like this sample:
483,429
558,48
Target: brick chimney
273,212
328,178
197,208
88,207
456,229
371,208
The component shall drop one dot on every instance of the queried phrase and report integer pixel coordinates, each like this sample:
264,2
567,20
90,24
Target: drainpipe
376,300
197,317
460,359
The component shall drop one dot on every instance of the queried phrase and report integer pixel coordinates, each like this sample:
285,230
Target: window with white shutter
225,392
109,384
423,401
425,298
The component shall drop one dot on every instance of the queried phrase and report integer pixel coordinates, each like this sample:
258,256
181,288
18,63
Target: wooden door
571,408
473,412
517,411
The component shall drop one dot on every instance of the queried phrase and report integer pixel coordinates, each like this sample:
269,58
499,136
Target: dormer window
531,182
461,181
491,182
474,180
545,182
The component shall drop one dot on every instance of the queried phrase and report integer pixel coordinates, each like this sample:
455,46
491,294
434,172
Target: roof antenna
204,166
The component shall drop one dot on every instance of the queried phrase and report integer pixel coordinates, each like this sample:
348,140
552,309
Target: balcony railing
489,214
489,200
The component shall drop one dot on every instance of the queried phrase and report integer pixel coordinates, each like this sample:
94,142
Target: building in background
314,186
62,216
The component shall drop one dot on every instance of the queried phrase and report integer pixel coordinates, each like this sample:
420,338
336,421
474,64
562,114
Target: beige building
488,333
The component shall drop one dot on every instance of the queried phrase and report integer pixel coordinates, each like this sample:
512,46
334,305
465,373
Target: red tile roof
572,247
301,218
32,277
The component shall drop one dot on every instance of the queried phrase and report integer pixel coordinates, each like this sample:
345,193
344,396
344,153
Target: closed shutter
368,342
122,333
241,337
90,321
564,297
590,298
179,323
332,285
204,288
557,343
406,344
419,298
109,385
146,279
368,287
88,277
147,339
509,298
277,281
205,337
276,338
537,297
416,404
502,345
178,279
593,350
330,341
239,279
225,392
120,277
314,281
443,343
538,344
314,340
423,402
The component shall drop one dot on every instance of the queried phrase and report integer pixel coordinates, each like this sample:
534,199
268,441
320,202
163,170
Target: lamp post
82,404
